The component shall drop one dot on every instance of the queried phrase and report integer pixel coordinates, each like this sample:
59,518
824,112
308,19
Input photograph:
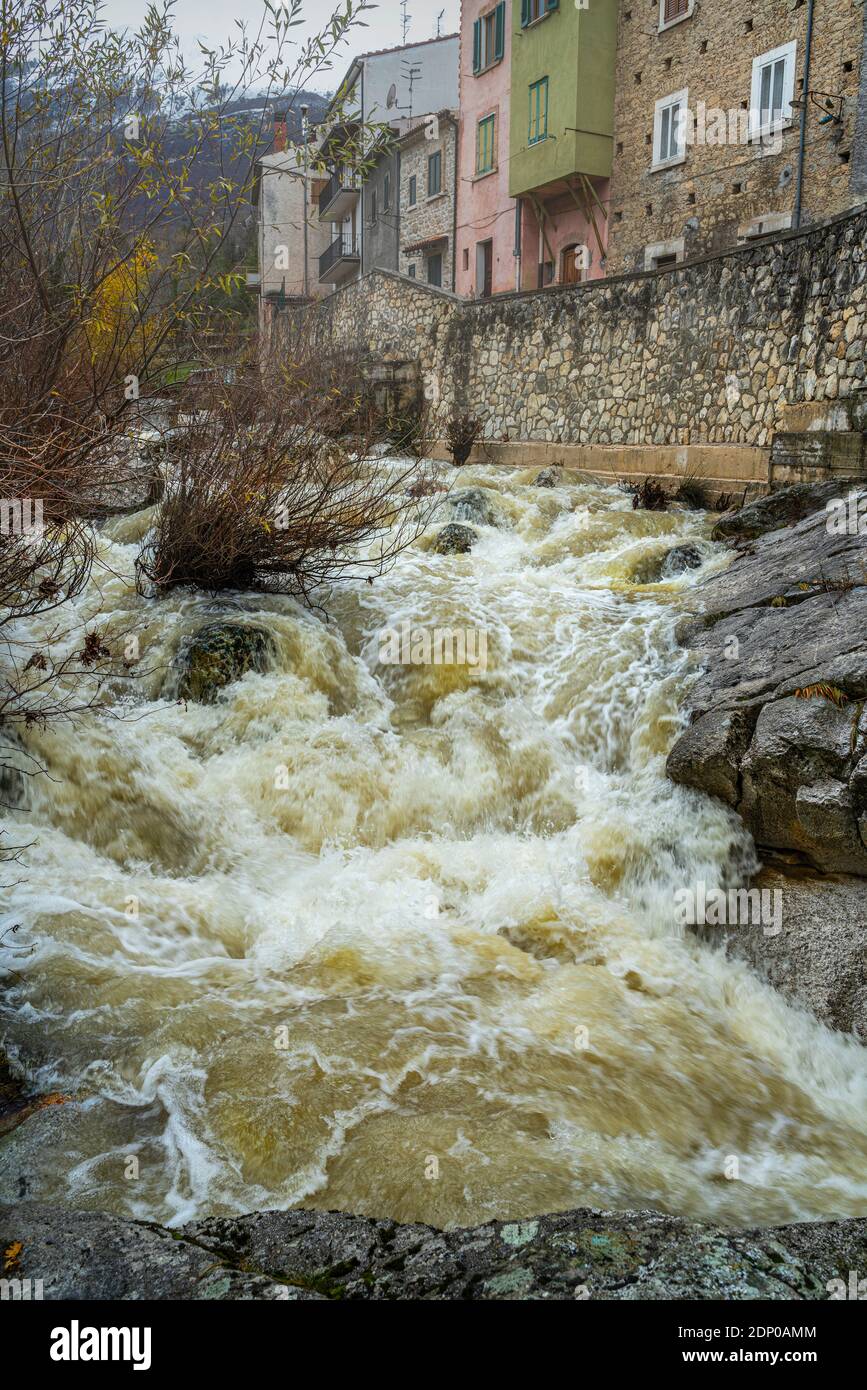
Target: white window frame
788,52
657,249
678,19
680,98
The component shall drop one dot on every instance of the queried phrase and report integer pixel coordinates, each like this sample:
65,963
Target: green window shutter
499,30
477,45
552,4
525,13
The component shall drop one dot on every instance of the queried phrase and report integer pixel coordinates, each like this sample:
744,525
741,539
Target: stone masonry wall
707,353
720,188
432,215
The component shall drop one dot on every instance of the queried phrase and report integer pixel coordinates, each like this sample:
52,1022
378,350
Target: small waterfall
397,937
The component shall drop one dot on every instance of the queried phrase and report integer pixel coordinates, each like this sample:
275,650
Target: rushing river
400,939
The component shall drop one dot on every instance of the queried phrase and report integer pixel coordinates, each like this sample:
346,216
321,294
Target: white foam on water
445,932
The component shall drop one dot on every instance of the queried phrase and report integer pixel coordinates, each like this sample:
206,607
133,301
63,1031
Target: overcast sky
214,22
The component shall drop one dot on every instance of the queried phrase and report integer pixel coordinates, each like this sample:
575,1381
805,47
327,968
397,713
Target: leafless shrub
114,274
692,494
407,428
648,495
462,431
264,497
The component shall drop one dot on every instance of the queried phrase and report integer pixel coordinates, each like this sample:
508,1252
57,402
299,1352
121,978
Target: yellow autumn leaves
115,324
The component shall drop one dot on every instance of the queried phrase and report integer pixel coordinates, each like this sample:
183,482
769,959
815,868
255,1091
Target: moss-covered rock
216,656
455,539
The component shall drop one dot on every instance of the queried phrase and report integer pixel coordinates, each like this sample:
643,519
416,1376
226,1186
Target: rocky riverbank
779,731
583,1254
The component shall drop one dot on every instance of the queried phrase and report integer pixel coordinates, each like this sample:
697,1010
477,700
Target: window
662,255
373,204
489,38
413,191
485,145
546,273
434,173
773,87
411,272
531,10
538,126
669,130
435,269
769,224
672,11
386,193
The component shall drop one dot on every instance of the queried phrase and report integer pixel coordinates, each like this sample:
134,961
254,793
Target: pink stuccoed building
485,235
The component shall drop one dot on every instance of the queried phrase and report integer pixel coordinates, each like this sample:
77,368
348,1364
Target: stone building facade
707,138
714,355
428,184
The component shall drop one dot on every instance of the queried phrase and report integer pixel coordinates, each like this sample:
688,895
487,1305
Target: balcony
339,195
342,257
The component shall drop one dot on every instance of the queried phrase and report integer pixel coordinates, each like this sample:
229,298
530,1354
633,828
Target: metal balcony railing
343,248
341,181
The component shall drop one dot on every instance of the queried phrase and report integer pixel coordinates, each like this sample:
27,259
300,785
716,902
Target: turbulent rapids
400,939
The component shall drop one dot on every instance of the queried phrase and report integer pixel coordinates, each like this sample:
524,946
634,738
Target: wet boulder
680,559
819,956
216,656
778,711
776,510
549,477
17,1103
455,539
667,565
475,505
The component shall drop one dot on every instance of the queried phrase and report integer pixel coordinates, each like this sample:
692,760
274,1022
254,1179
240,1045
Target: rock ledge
583,1254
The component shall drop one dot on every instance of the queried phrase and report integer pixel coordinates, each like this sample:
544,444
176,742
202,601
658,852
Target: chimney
280,135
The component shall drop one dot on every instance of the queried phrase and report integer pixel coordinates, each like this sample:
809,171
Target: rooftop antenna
412,71
440,22
405,18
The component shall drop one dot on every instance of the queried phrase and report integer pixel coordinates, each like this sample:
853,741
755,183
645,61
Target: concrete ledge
729,466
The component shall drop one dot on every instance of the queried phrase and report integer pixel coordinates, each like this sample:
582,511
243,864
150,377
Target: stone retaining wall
712,353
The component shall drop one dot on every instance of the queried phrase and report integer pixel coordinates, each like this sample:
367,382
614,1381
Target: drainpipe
456,132
805,96
517,243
